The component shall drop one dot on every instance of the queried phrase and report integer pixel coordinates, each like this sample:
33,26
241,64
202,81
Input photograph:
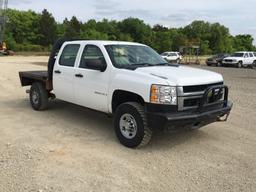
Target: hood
233,58
182,76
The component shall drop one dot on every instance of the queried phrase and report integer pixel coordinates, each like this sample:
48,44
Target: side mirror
96,64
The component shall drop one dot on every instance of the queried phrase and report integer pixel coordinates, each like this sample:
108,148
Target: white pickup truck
131,82
241,59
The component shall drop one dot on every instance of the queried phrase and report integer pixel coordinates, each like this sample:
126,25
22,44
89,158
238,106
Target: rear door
91,86
246,59
251,58
63,72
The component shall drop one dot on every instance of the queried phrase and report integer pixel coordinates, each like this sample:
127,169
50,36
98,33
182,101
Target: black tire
143,133
239,64
254,65
38,96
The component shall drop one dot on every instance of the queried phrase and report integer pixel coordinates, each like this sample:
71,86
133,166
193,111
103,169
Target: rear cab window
68,55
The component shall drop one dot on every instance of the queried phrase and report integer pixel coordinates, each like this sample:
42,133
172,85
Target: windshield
238,55
173,54
127,56
164,54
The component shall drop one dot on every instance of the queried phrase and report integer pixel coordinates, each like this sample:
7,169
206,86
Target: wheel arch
121,96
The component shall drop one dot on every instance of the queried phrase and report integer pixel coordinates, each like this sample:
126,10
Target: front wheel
239,64
131,125
38,96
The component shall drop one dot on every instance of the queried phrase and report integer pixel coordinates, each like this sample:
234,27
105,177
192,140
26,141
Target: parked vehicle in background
172,56
240,59
216,60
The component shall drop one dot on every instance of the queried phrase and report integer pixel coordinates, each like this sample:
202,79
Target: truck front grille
191,102
198,88
189,96
228,60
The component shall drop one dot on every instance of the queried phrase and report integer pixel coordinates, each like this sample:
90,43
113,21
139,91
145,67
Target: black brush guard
213,106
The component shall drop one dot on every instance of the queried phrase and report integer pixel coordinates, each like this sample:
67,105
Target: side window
91,53
246,55
68,56
251,55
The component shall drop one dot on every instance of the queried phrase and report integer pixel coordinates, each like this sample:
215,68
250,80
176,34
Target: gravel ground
69,148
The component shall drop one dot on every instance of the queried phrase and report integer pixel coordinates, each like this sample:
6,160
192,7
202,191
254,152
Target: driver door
91,86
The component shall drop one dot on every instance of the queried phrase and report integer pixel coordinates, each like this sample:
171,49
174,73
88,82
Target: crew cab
131,82
240,59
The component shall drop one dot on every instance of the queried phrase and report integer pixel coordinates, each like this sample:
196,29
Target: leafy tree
139,31
243,43
162,41
47,28
72,28
27,30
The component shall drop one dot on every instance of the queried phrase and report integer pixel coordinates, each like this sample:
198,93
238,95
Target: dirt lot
69,148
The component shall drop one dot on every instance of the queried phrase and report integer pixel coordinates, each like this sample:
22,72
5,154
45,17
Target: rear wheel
38,96
254,65
131,125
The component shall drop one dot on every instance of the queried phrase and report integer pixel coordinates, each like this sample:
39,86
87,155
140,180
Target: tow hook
223,118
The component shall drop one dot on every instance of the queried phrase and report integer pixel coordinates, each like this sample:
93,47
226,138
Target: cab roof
100,42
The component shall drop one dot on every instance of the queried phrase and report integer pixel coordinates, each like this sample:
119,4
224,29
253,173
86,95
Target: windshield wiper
167,64
143,64
135,66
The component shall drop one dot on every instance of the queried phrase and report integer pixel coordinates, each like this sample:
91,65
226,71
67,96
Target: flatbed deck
28,77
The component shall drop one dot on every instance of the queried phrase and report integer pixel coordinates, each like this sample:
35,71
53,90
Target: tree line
31,31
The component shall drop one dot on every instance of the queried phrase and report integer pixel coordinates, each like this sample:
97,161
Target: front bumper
229,63
205,114
211,62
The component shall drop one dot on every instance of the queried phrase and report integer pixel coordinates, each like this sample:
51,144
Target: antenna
3,9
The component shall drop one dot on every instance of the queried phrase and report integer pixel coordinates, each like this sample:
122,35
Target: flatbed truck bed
29,77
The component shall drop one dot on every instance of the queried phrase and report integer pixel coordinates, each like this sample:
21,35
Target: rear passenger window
68,56
251,55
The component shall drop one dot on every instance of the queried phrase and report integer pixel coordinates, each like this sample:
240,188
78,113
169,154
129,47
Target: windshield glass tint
132,55
238,55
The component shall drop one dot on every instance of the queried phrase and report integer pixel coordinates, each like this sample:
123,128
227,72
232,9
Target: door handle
57,71
79,75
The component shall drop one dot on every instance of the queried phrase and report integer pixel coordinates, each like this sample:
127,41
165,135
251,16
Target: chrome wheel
35,97
128,126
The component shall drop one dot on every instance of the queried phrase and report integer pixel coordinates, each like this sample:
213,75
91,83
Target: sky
238,15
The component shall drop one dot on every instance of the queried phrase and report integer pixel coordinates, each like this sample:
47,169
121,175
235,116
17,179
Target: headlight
161,94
